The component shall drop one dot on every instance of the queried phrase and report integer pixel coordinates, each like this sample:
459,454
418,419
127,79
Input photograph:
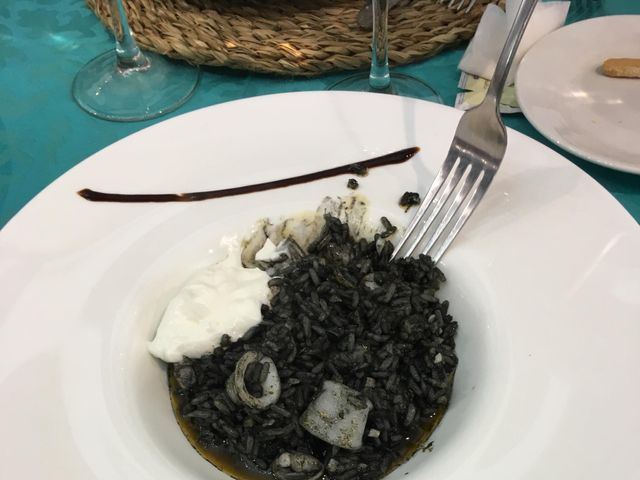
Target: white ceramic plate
544,281
563,95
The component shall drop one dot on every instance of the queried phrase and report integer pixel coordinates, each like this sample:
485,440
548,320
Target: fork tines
459,186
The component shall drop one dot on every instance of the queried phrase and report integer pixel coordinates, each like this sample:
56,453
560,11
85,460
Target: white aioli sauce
222,298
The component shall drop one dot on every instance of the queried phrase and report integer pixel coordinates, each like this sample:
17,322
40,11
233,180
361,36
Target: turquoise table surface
43,43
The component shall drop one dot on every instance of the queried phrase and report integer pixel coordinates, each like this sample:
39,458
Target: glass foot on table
107,92
402,85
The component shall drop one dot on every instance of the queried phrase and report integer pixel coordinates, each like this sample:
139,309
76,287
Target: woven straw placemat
291,37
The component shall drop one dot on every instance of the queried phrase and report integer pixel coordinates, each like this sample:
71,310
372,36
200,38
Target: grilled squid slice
237,389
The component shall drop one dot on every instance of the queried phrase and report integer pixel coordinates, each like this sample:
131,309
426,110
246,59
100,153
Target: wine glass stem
128,54
379,78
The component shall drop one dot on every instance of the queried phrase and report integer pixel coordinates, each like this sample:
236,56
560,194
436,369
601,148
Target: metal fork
474,156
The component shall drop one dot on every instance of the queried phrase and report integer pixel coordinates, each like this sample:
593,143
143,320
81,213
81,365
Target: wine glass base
402,85
106,92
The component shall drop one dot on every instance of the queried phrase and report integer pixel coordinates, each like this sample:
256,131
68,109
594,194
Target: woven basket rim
289,37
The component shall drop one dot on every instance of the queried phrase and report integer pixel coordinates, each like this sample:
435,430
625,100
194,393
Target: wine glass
126,84
379,79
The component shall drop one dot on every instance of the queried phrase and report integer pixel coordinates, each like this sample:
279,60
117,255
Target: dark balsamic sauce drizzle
358,168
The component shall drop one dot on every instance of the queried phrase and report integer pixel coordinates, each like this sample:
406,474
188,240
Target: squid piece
237,389
297,466
338,416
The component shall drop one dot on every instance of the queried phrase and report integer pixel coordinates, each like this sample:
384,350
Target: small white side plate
565,97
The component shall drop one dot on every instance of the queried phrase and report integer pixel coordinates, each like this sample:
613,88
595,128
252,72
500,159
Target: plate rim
510,131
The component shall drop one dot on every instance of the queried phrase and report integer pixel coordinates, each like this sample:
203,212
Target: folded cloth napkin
483,51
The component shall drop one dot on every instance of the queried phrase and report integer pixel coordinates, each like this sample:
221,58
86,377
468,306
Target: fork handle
509,51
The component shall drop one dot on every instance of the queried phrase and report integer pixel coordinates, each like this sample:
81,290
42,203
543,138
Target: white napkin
483,51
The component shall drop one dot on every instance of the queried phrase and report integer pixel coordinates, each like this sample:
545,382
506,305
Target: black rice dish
346,376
